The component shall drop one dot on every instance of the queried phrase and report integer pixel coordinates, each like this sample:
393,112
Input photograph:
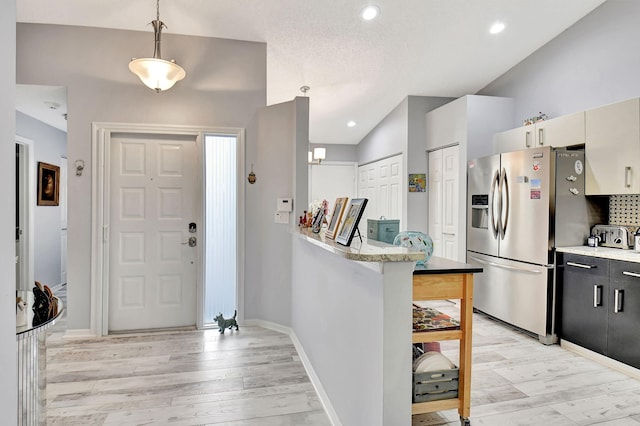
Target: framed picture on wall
48,184
336,217
353,215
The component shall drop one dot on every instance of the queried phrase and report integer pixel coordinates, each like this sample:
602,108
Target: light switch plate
281,217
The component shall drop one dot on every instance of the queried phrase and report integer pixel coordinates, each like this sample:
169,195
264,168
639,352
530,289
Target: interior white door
450,202
154,196
444,205
435,202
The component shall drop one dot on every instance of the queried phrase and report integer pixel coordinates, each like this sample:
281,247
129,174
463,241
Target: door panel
154,194
527,180
480,203
514,292
435,202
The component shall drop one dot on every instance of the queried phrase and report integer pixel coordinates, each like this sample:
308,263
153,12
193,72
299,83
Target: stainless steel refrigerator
521,205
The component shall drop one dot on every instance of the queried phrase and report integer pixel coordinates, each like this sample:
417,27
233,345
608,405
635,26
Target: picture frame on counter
353,216
336,217
318,218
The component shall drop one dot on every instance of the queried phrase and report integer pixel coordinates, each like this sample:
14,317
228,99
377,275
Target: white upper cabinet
566,130
612,149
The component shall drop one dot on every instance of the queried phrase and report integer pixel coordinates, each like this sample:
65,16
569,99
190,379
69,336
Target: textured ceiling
356,70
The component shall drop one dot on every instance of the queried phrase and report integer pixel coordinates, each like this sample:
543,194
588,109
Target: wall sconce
317,156
79,165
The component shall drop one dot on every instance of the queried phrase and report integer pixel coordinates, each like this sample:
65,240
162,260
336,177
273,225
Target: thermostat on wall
284,205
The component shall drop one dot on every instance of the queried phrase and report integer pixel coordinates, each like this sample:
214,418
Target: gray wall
225,85
49,145
595,62
281,162
8,381
337,152
388,138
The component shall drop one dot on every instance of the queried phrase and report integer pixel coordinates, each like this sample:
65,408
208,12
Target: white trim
601,359
80,333
101,137
313,377
30,205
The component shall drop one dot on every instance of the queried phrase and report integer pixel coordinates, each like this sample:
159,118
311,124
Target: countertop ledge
367,251
604,252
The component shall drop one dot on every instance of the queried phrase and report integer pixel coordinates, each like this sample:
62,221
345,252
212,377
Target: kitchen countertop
367,251
604,252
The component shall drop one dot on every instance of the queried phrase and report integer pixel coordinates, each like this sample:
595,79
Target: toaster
616,236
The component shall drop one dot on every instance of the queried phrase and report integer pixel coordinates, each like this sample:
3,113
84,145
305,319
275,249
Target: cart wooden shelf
442,279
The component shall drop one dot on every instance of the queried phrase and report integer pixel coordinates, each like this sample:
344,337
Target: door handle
540,136
631,274
618,296
597,295
527,139
504,203
627,177
581,265
507,267
494,218
193,241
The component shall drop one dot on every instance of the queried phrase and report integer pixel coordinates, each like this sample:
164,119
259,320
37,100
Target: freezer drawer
515,292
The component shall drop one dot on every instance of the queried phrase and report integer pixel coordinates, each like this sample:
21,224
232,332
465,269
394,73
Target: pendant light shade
156,73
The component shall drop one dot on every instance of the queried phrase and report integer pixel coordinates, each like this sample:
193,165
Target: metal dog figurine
226,323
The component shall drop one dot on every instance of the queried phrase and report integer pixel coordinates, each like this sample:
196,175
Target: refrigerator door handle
504,203
508,267
494,215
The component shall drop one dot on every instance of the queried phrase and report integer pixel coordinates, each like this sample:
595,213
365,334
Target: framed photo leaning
48,184
354,213
336,217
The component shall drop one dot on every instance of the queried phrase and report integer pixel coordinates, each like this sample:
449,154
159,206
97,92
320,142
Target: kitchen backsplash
624,210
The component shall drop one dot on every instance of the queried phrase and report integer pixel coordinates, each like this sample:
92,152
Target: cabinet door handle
541,136
527,139
581,265
597,295
618,296
631,274
627,176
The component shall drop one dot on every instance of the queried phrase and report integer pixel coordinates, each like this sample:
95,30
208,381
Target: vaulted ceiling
357,70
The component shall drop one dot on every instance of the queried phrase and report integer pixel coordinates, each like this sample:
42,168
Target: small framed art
48,184
336,217
354,214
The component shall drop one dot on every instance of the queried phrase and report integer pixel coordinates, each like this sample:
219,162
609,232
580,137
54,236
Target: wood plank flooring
254,377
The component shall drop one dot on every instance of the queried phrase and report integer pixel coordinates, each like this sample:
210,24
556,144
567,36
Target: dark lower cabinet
623,330
600,306
585,292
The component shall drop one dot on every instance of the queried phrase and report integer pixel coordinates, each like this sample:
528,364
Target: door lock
193,241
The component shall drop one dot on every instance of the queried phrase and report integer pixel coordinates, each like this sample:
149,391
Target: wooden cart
442,279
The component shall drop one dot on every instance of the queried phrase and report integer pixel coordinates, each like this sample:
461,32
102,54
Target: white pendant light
156,73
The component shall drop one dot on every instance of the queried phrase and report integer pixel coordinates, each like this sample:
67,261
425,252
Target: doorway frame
28,208
101,134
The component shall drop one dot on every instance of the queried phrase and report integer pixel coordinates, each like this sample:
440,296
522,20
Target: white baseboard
80,333
313,377
601,359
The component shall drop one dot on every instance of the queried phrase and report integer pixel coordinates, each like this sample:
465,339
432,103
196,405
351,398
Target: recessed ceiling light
351,123
370,12
497,28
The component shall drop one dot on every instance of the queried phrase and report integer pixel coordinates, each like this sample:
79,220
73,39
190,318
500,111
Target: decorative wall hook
252,176
79,165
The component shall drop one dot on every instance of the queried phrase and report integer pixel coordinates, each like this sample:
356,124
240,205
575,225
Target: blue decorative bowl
417,241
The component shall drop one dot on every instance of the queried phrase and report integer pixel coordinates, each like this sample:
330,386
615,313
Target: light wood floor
255,377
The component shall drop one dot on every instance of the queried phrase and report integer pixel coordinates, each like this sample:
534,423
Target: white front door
153,197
